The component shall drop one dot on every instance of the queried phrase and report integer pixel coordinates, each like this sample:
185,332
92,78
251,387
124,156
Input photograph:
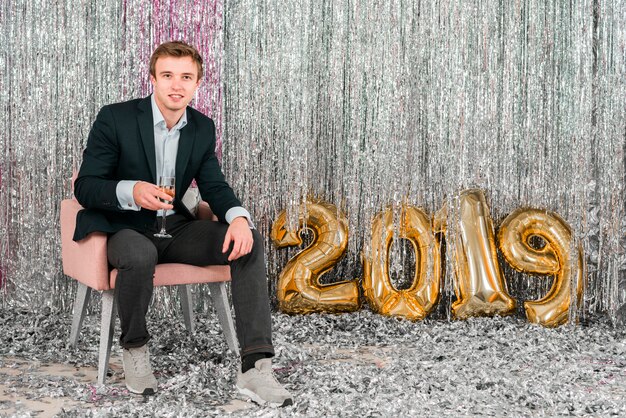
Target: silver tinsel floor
358,364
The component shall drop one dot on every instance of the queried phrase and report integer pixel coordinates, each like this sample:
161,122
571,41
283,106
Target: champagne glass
166,184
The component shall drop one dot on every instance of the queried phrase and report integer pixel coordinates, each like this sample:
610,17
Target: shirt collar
157,116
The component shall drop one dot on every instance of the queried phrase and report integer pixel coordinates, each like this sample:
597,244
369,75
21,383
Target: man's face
175,82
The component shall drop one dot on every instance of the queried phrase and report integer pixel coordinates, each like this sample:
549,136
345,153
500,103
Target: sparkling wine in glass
166,184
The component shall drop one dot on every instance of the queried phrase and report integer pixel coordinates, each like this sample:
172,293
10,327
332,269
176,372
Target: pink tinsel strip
199,24
3,255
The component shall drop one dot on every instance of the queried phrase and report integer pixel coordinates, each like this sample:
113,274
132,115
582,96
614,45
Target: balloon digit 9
417,301
479,287
553,259
299,290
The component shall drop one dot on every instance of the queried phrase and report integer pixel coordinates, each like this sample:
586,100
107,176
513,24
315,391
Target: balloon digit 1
417,301
479,287
554,258
299,290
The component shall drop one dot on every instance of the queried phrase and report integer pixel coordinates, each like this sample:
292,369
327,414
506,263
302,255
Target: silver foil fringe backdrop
364,104
367,104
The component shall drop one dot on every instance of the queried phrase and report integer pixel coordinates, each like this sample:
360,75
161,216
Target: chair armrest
86,260
205,212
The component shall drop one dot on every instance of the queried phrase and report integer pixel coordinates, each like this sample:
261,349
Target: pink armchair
86,261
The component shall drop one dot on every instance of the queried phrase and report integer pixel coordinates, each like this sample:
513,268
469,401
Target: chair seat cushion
174,273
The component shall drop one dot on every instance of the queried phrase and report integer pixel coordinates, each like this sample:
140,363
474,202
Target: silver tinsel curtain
367,104
363,104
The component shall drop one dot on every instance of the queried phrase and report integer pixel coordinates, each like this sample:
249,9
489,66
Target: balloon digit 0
417,301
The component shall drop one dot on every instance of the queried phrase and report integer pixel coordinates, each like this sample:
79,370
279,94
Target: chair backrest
85,261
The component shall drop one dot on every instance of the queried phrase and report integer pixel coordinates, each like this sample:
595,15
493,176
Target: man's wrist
125,195
238,212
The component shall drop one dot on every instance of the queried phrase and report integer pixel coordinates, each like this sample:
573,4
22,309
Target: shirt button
130,205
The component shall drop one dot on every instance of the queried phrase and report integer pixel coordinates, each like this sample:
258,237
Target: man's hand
146,196
240,234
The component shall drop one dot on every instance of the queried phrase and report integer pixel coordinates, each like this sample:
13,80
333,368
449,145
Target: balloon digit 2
299,290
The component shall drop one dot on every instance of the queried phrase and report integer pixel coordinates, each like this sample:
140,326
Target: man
130,146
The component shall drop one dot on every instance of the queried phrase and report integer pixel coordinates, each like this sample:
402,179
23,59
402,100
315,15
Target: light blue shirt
166,150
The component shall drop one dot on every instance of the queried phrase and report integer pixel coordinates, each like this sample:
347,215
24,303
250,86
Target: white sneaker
260,385
137,371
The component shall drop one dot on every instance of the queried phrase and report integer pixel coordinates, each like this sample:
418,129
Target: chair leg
184,292
80,308
222,307
107,327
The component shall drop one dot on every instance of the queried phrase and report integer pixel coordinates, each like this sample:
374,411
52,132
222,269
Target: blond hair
176,49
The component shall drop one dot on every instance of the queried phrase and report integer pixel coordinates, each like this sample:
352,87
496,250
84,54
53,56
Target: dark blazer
120,146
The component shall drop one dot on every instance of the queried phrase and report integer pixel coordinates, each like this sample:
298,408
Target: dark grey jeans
199,243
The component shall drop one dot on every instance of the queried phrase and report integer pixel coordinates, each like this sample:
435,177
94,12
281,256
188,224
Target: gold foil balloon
480,287
558,257
417,301
299,290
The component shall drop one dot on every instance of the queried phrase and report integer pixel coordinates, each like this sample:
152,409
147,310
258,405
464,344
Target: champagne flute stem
163,232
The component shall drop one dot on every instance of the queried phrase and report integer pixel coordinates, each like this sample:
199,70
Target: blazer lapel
185,145
146,129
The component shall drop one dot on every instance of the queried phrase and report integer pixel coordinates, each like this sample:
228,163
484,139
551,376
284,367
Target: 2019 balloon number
479,283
